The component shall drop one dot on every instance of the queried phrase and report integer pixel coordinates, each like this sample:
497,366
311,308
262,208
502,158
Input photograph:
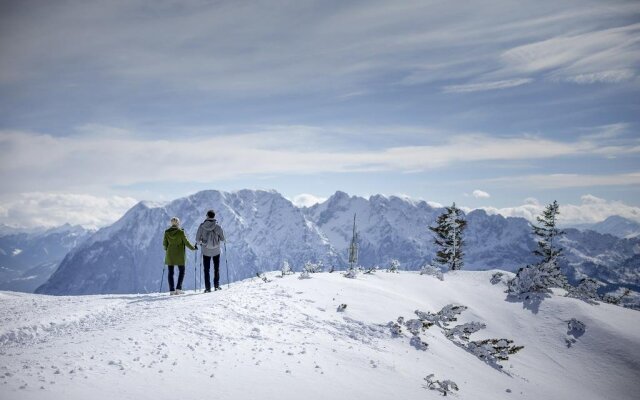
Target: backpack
212,240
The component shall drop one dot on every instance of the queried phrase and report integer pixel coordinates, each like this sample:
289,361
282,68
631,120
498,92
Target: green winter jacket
174,242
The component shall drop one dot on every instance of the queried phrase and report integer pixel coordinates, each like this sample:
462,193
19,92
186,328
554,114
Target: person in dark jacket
174,243
209,236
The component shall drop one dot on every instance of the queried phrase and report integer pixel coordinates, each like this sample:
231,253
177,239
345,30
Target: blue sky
106,103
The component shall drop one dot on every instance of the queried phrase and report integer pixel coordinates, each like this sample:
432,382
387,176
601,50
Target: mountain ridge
263,229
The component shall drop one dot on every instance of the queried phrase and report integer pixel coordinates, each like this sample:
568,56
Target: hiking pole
195,276
226,263
162,279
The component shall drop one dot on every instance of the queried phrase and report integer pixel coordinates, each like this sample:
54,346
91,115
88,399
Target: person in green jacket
174,243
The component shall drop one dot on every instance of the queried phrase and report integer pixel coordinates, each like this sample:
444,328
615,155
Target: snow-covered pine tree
545,274
548,233
286,268
352,272
448,237
394,266
586,290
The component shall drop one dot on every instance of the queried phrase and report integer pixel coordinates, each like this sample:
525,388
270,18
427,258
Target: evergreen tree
394,266
545,274
548,233
448,237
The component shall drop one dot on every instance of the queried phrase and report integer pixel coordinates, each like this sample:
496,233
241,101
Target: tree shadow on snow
530,301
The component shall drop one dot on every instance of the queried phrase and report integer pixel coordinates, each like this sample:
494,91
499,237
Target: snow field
285,339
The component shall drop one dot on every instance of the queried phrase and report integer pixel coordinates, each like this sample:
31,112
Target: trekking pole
162,279
195,276
226,263
201,256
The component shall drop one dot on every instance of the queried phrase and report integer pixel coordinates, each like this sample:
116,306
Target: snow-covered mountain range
285,339
615,225
28,258
263,229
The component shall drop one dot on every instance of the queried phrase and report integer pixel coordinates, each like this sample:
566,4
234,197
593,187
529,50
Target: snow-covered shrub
493,350
313,268
371,270
431,270
444,387
286,269
496,278
537,278
395,328
442,318
263,276
416,326
490,350
351,273
463,331
586,290
394,266
575,328
304,275
417,342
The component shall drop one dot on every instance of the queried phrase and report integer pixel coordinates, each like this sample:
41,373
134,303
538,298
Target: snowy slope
27,259
284,339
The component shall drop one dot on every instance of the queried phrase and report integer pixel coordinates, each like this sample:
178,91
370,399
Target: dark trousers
216,271
180,277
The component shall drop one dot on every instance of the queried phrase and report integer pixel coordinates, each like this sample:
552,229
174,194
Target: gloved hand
196,246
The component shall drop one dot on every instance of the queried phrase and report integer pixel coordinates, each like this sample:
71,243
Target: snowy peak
617,226
262,229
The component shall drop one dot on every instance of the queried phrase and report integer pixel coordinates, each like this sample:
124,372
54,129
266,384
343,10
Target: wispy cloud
557,181
482,86
103,159
83,161
606,55
346,47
